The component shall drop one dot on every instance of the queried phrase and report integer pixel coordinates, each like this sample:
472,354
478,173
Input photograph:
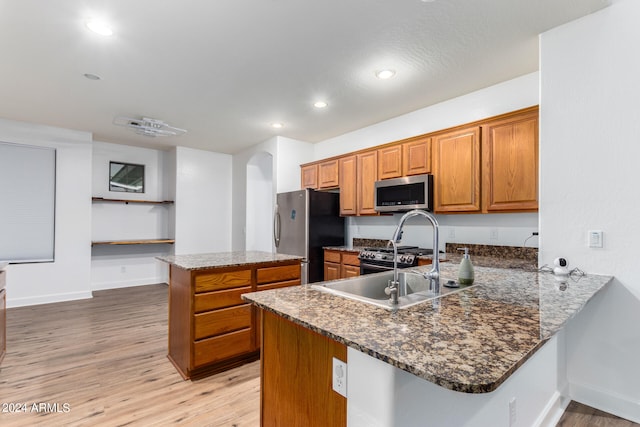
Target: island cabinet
339,264
210,327
296,376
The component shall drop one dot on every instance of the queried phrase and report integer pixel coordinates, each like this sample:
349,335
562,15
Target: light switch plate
340,377
595,238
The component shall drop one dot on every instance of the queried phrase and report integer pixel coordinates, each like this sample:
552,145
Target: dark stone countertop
470,341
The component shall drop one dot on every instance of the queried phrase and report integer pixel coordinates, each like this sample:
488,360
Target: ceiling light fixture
320,104
385,74
92,76
99,27
277,125
147,126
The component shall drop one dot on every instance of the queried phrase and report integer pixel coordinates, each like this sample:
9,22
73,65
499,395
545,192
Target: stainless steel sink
370,289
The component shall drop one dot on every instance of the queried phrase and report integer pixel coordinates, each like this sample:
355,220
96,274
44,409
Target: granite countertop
470,341
224,259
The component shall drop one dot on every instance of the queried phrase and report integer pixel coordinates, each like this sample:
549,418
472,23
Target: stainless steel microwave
403,194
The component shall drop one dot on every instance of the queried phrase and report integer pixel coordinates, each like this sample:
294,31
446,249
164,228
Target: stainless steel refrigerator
304,222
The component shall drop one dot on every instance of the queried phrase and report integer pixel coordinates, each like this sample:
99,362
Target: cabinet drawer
332,256
218,348
219,299
350,259
215,281
279,285
222,321
278,274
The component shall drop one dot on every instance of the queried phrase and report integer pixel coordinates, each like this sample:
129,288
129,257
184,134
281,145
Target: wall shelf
149,202
134,242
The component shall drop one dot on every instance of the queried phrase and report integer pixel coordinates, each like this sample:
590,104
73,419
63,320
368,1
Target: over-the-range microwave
403,194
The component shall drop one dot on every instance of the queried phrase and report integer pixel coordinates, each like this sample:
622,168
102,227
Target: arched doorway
259,203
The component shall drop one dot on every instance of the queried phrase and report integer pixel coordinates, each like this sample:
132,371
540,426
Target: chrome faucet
434,274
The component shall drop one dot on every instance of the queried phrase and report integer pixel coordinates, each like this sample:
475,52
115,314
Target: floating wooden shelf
134,242
149,202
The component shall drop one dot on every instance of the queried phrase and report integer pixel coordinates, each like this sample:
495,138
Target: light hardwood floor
106,358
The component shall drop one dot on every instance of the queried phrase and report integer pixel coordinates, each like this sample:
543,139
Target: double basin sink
413,289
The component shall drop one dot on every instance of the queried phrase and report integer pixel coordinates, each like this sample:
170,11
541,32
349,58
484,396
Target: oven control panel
384,257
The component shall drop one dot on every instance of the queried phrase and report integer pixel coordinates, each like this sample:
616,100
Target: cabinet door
457,171
296,376
349,271
331,271
367,174
348,174
390,162
328,174
510,164
416,157
309,176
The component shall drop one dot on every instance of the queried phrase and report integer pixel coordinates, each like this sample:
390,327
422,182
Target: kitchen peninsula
455,360
210,327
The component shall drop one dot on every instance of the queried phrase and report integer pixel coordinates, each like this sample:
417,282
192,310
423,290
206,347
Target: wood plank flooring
103,362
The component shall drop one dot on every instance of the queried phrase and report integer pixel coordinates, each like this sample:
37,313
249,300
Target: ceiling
226,69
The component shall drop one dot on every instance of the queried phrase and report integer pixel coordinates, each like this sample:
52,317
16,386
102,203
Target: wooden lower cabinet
296,376
210,327
340,264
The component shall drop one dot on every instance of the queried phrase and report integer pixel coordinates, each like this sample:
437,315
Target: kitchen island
456,360
210,327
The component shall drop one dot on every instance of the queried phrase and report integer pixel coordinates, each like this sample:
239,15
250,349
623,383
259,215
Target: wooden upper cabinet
348,175
510,163
390,162
309,176
457,171
367,169
328,174
416,157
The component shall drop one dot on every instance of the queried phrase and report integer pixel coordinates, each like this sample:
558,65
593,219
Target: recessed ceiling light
99,27
320,104
277,125
91,76
385,74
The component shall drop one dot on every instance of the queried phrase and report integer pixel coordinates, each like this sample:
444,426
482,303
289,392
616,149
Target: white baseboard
102,286
47,299
552,413
606,400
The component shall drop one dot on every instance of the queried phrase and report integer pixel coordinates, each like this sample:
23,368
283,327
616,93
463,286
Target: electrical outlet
452,233
512,412
123,269
493,234
340,377
595,238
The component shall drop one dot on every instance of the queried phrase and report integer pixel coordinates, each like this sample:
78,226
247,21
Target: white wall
121,266
287,155
259,202
68,277
589,154
203,201
510,229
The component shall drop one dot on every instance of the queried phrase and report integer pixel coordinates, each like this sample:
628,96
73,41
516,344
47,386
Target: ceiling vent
148,127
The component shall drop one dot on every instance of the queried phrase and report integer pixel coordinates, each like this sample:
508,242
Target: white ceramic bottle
465,272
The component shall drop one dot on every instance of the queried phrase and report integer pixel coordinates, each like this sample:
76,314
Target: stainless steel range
374,260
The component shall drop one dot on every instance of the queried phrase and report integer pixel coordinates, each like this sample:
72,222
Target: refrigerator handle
276,227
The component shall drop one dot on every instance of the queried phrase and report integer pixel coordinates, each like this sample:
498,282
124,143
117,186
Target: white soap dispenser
465,272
